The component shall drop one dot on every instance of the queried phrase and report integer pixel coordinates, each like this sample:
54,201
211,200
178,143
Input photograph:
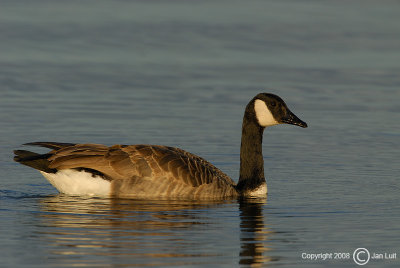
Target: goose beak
292,119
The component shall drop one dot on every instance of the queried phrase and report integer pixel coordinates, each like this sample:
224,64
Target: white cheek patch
263,114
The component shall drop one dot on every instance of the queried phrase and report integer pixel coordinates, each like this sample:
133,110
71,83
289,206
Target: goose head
272,110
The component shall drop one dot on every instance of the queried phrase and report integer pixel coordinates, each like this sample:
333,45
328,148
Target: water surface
180,74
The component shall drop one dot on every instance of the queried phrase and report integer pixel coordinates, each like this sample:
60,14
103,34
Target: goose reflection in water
253,233
124,232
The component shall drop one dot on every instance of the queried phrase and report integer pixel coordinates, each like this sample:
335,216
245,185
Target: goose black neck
251,158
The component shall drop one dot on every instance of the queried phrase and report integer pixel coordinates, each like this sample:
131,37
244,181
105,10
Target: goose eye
273,104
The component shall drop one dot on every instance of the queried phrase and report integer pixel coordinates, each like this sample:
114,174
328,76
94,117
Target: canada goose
154,171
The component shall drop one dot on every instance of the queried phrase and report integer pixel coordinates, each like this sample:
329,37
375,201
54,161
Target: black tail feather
34,160
20,154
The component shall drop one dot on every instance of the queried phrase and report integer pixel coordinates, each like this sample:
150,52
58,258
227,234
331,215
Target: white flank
263,114
69,181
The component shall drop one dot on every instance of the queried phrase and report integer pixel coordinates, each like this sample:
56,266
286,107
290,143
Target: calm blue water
180,73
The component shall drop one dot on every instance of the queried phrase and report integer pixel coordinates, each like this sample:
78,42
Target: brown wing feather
50,145
191,169
123,162
138,170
